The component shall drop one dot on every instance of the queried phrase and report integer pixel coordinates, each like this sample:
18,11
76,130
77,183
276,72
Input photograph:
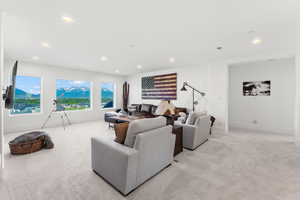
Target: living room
119,100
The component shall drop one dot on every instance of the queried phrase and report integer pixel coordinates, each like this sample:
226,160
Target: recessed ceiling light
139,66
251,32
35,58
67,19
117,71
171,60
104,58
256,41
45,44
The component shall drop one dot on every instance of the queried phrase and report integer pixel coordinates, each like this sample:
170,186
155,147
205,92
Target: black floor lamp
185,84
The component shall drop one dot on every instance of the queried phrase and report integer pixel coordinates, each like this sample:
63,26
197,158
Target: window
73,95
107,95
27,95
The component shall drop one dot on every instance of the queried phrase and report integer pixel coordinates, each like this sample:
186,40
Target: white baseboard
218,129
252,127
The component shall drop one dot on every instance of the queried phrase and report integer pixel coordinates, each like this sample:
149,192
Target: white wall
49,75
1,87
273,113
211,79
218,90
297,97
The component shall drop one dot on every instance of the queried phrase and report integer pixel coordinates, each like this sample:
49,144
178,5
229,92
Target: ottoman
30,142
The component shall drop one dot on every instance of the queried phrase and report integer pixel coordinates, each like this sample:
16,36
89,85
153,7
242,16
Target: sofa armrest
189,132
188,128
156,149
203,131
115,162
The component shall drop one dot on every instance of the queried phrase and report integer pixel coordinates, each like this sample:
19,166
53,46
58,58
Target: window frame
91,96
10,114
114,97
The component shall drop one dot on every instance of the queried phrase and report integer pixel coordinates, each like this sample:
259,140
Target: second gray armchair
195,130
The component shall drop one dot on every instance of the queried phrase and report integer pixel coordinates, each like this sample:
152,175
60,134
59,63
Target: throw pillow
153,110
182,117
189,120
121,132
193,117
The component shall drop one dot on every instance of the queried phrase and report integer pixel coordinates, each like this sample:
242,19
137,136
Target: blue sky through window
29,84
27,95
107,95
69,84
73,95
109,86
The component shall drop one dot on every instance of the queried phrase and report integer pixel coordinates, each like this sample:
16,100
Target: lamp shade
183,88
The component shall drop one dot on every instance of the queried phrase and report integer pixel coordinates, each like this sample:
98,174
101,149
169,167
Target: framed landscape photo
257,88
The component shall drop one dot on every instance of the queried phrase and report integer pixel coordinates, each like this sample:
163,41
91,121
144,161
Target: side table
178,131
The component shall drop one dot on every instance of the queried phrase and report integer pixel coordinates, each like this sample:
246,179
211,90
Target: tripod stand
63,116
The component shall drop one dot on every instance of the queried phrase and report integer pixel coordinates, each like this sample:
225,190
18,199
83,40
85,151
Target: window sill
25,114
70,111
105,109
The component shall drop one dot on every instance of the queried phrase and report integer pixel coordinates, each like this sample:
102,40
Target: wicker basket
27,147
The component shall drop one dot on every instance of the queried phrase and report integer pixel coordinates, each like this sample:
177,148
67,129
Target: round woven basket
27,147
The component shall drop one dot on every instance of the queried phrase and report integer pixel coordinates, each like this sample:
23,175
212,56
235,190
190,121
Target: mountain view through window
107,95
73,95
27,95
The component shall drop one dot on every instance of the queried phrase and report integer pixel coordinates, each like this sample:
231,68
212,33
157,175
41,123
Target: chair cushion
193,116
121,131
142,125
146,108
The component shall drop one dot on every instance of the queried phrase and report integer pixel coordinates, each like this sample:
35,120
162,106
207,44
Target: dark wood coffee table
177,131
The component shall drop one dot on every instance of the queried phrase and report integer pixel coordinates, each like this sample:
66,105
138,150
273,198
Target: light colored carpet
236,166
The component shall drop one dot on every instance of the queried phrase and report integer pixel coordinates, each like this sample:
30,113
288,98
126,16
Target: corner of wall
297,97
218,94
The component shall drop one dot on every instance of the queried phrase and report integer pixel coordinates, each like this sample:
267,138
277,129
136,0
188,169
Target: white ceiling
188,30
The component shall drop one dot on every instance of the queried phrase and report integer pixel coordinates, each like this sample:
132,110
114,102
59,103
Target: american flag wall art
160,87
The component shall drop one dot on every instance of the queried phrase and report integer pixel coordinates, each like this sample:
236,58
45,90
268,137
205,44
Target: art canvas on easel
257,88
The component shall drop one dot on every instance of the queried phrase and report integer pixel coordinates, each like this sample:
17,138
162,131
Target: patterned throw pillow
182,117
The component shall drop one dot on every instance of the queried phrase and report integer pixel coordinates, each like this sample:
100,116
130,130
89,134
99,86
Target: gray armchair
148,149
196,133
